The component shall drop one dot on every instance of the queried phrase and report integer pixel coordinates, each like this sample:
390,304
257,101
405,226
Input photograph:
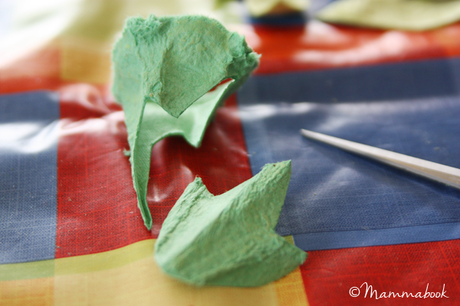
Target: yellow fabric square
129,276
30,292
140,282
290,290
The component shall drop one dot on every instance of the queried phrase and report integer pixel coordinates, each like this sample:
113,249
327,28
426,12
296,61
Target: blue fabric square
337,199
28,176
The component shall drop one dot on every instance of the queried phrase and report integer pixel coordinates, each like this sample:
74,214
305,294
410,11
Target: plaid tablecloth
70,230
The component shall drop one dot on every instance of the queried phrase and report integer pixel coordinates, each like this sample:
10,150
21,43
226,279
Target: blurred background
83,31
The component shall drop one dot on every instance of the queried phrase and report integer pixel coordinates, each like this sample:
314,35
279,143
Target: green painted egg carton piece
164,69
229,239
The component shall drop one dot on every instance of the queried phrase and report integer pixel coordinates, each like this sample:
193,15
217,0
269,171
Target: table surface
70,230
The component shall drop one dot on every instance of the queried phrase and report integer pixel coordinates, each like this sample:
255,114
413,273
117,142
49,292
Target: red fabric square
97,207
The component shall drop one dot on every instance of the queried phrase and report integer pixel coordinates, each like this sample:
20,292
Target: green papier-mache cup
164,69
229,239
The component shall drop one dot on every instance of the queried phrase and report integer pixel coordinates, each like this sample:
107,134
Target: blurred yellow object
414,15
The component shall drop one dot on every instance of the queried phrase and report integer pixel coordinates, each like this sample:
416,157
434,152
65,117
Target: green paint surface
412,15
229,239
164,69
